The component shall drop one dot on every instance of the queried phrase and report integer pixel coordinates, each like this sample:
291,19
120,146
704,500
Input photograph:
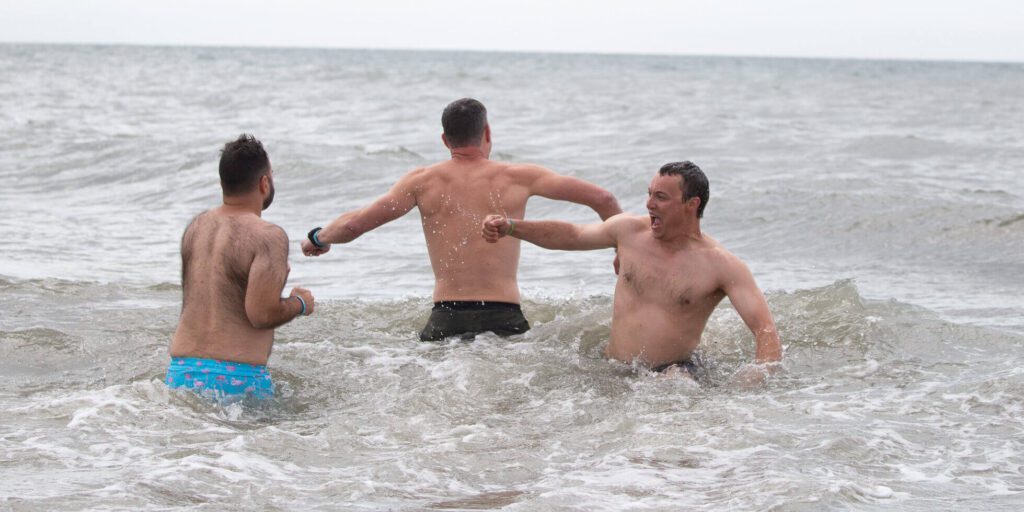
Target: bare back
453,198
217,252
663,297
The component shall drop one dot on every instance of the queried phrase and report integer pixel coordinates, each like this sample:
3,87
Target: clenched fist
495,227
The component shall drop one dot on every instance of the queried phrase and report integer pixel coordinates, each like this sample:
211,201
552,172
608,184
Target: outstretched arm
551,234
350,225
749,302
549,184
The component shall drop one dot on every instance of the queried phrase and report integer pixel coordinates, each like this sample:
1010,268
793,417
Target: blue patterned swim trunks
220,379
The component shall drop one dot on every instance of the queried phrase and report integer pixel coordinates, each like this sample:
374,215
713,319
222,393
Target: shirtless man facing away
233,269
671,276
475,287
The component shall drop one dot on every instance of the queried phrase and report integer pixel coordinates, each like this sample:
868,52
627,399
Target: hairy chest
682,281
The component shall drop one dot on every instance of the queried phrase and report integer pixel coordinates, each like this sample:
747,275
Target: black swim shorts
469,318
692,366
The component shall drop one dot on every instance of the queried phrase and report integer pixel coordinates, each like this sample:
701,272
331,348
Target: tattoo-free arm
553,234
392,205
749,302
549,184
264,306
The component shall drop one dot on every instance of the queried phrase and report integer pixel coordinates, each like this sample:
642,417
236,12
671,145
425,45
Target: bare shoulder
195,225
198,220
252,235
525,173
271,234
420,172
526,168
728,264
628,221
624,224
417,178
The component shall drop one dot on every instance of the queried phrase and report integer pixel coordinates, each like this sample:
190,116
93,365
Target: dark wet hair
693,184
463,122
242,163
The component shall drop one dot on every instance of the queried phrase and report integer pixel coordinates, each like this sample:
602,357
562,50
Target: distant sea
878,203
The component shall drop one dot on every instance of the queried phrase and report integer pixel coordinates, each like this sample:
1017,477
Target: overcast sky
988,30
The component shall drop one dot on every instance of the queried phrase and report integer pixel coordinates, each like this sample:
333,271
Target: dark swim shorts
691,366
467,318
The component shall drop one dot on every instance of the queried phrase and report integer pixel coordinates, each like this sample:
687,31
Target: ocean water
879,205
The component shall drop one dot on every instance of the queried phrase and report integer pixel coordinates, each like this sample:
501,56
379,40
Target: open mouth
655,222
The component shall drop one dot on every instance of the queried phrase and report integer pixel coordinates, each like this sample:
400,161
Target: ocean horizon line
902,60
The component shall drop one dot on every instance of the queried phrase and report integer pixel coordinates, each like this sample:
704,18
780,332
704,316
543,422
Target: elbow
353,230
349,230
259,319
260,322
607,205
343,233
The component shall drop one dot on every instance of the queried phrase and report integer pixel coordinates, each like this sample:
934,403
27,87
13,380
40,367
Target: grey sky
990,30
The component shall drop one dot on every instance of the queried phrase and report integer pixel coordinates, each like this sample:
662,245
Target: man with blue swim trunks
233,270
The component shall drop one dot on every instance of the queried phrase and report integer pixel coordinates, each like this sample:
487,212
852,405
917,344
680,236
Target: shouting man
672,275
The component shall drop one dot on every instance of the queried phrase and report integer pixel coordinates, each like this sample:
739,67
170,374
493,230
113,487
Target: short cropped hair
463,122
242,163
693,184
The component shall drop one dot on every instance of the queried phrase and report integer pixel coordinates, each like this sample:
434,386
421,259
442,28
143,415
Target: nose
650,202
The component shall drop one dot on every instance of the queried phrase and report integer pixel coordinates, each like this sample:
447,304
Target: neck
244,204
688,232
468,153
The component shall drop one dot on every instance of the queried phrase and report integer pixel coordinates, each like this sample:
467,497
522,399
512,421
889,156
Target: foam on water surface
878,204
864,414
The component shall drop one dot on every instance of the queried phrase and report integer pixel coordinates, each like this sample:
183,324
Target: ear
693,202
264,184
445,140
487,133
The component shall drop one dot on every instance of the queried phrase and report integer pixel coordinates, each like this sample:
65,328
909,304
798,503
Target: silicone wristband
512,227
314,236
303,312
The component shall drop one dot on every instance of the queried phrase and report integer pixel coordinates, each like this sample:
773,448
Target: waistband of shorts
685,363
692,363
215,366
476,305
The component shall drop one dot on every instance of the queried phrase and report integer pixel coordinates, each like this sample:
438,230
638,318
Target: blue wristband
303,312
314,236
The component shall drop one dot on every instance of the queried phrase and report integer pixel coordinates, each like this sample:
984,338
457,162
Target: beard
270,196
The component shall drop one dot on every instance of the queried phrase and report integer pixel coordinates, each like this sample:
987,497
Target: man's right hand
307,296
308,249
494,227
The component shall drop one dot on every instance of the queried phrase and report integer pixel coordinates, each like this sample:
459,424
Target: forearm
284,311
769,347
578,191
549,234
342,230
606,205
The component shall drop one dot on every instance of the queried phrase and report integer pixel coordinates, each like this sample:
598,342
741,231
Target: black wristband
313,238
